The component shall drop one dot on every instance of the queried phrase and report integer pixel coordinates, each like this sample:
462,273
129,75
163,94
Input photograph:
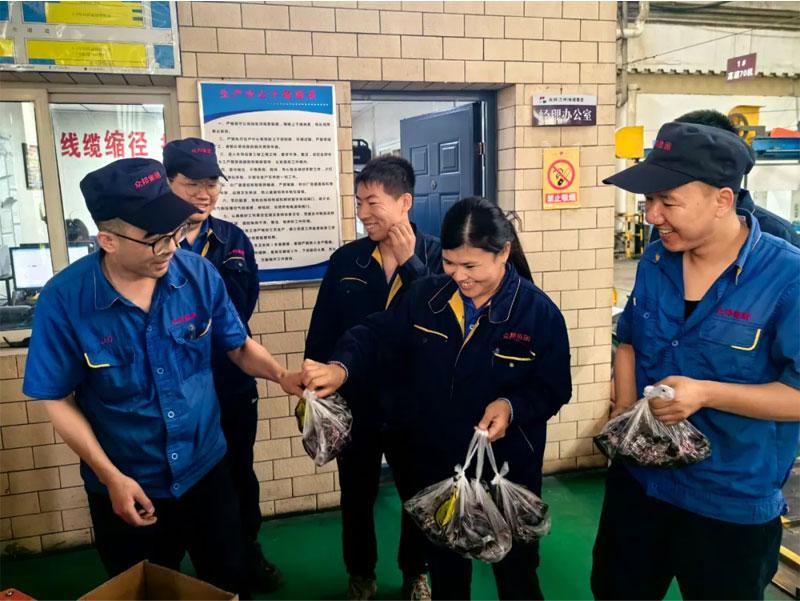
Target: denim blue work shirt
143,380
745,330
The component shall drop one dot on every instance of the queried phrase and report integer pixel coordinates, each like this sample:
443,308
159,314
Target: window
51,136
89,136
24,241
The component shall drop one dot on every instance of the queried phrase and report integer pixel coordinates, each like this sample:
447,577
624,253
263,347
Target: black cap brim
202,171
646,178
162,215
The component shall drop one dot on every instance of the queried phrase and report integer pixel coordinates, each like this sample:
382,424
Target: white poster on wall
277,144
90,137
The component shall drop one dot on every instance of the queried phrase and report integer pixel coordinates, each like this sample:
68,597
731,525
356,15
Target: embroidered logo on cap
663,145
139,183
202,150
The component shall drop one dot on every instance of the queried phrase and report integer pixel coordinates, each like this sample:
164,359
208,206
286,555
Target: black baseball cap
136,191
193,157
688,152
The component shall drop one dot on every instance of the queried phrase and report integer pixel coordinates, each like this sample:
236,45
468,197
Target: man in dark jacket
194,173
364,277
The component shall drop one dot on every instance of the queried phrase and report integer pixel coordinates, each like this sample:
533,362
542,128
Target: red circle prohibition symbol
561,174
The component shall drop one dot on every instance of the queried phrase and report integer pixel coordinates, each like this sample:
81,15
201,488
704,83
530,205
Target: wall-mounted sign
741,67
277,144
90,37
88,139
561,178
564,110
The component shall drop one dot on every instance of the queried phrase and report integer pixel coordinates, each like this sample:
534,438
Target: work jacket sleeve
378,342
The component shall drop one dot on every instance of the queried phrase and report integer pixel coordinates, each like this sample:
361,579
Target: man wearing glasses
194,175
120,352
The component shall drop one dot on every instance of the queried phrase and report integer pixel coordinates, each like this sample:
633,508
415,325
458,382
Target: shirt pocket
729,348
235,268
428,346
193,347
352,300
112,373
512,362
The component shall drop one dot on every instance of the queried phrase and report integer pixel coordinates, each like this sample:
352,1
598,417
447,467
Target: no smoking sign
561,185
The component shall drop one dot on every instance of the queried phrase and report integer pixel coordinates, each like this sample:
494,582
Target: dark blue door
443,148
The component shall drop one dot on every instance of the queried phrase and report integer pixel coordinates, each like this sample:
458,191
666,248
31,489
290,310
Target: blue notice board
277,145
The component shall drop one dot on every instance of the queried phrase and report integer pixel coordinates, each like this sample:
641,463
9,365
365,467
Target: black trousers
204,521
239,421
359,479
642,543
515,575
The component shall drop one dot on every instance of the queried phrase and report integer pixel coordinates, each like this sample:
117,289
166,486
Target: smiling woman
477,241
482,338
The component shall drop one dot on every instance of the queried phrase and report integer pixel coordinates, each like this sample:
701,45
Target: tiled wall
518,48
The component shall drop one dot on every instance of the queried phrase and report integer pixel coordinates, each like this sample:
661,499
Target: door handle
434,185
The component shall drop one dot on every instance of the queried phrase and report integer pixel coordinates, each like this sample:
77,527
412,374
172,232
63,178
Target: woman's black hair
476,222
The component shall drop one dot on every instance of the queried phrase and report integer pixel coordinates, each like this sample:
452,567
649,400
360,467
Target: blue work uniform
745,330
517,350
231,252
143,380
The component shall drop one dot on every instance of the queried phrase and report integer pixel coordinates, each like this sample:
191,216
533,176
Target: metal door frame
488,100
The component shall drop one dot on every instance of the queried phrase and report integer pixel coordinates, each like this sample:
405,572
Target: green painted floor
307,550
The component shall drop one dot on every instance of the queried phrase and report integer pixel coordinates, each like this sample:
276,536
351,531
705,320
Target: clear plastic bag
326,425
458,513
639,438
524,512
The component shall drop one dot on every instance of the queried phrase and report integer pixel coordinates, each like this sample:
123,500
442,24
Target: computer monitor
32,267
78,250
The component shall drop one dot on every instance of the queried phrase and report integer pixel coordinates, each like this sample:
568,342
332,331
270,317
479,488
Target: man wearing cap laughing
715,314
120,353
194,175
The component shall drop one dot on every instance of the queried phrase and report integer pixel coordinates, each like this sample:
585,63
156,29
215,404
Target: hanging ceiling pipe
638,25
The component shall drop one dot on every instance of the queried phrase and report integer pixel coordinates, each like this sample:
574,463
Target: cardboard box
147,581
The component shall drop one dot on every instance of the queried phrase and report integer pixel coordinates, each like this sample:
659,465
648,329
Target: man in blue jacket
121,354
363,277
715,314
769,222
194,175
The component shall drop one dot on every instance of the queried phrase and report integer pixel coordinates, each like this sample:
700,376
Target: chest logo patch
733,313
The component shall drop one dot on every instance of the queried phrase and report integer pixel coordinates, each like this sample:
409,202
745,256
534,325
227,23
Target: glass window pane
25,262
89,136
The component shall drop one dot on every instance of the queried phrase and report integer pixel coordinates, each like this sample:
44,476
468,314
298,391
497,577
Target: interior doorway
450,142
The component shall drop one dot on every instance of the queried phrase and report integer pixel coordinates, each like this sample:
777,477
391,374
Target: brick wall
517,48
